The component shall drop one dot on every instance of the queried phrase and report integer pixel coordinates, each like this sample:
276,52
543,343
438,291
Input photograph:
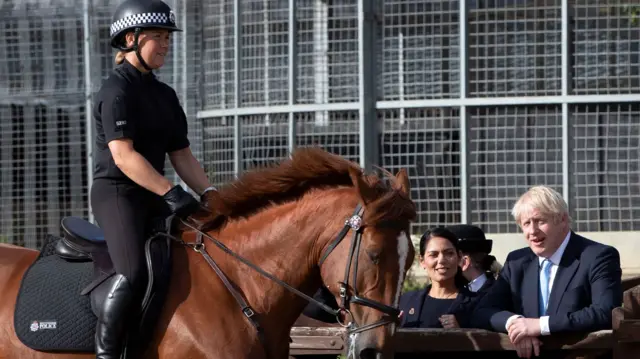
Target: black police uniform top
139,107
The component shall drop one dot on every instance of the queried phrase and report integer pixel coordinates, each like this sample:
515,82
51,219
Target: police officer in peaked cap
478,266
138,121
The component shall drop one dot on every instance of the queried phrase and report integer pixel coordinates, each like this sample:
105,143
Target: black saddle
81,239
63,290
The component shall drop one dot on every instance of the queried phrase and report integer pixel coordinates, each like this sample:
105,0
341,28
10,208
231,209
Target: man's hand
528,346
523,327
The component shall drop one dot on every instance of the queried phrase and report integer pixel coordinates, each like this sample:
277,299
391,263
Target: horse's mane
307,169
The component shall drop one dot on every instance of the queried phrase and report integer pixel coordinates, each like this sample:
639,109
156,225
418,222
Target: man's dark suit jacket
412,305
586,288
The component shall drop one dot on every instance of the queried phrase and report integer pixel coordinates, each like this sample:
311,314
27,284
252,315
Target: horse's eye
374,256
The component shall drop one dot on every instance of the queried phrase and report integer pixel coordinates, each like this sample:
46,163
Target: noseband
352,224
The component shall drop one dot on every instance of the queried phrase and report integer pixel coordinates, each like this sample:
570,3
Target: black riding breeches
124,213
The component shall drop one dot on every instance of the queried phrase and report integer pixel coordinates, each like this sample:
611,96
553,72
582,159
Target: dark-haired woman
445,302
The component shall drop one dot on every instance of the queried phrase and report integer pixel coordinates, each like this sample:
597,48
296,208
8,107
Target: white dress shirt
555,262
477,283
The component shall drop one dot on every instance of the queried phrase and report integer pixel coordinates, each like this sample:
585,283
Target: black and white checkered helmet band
147,18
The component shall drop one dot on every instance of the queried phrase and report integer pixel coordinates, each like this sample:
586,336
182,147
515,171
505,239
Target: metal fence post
465,199
185,67
566,118
237,54
292,73
88,101
367,56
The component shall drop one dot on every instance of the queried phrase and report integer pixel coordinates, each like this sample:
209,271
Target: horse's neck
285,241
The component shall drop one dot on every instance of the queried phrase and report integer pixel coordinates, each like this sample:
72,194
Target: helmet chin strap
136,48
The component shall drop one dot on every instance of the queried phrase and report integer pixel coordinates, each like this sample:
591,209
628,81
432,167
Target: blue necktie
545,276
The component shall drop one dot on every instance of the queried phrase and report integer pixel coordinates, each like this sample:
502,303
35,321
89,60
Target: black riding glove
180,202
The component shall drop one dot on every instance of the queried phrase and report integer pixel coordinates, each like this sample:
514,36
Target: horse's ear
366,192
402,182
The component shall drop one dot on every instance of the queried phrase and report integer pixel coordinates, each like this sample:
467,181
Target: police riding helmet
137,15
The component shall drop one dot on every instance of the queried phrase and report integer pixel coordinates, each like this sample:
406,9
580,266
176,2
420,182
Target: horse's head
365,265
294,205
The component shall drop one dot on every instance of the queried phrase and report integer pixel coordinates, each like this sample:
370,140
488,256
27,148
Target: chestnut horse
287,221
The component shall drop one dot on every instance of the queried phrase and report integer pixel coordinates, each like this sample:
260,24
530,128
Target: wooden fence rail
622,342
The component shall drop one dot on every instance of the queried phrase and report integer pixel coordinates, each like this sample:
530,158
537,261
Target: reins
354,223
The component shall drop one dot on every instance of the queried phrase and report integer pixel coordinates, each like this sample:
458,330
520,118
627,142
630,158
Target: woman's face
440,259
154,46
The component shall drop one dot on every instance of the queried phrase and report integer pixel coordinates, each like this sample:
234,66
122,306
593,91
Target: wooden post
626,326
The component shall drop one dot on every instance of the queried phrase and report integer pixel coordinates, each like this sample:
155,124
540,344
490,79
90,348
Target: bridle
354,223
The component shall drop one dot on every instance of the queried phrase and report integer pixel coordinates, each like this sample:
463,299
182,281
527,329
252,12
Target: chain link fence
478,100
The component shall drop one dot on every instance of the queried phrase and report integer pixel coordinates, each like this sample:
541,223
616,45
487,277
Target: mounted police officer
139,121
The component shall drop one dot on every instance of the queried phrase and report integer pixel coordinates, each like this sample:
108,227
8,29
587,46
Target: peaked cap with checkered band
131,14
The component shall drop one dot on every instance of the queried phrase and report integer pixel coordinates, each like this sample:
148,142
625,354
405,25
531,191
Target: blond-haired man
562,282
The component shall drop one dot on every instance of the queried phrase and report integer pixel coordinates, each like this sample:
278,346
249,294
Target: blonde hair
544,199
120,57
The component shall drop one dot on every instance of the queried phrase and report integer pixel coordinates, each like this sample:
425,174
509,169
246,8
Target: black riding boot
110,330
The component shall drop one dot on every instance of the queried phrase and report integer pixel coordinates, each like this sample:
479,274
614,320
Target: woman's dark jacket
417,316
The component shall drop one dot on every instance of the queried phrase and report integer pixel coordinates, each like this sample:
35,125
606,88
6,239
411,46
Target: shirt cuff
511,318
210,188
544,325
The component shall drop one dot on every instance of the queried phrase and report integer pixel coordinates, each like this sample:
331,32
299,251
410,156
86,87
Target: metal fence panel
218,149
550,88
512,149
427,143
421,50
264,140
515,50
42,142
607,48
606,166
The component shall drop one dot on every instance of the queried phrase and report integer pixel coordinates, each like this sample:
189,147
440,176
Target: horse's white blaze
403,251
